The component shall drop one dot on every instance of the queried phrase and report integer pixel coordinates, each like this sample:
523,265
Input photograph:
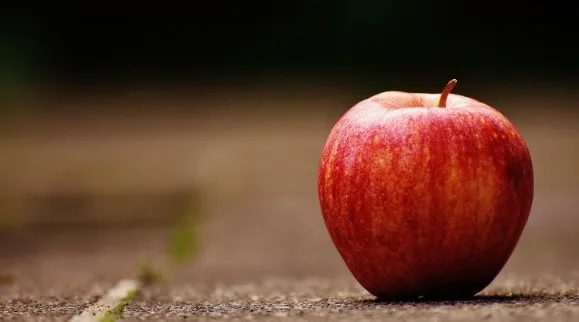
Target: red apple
425,195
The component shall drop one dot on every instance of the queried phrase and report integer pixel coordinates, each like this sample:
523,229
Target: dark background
375,43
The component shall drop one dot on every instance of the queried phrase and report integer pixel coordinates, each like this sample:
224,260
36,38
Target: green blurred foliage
24,49
184,241
185,238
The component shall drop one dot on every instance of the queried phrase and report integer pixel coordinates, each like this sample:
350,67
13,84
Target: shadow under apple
485,299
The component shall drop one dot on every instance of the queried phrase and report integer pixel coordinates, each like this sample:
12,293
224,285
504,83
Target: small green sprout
184,242
116,312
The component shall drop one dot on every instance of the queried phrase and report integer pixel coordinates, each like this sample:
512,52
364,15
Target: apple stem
445,92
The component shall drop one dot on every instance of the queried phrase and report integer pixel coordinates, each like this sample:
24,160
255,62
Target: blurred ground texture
86,196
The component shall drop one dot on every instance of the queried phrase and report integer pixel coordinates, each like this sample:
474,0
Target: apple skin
424,201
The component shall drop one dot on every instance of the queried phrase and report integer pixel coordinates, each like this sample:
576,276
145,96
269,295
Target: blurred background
116,129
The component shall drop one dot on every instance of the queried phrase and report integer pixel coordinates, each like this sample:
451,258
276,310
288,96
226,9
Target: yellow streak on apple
328,174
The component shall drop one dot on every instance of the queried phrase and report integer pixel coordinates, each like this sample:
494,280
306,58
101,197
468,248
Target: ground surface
265,254
541,282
